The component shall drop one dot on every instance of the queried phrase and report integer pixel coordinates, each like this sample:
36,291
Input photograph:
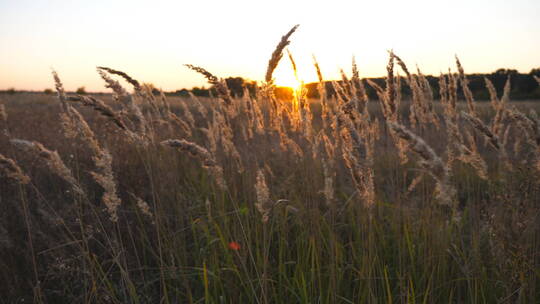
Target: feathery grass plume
3,113
499,106
60,91
11,171
143,206
277,54
81,128
445,192
421,109
3,120
467,153
387,98
76,125
198,105
264,204
220,85
426,95
466,90
226,137
356,156
248,111
113,85
185,127
51,159
494,140
537,79
321,88
100,107
531,130
186,113
126,77
207,159
327,157
127,101
479,125
345,85
358,89
392,103
293,64
105,178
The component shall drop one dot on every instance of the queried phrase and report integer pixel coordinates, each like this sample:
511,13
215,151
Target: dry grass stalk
537,79
185,127
327,157
497,126
126,77
186,113
207,159
220,85
358,89
466,91
321,88
356,156
144,208
277,54
264,204
467,153
3,120
60,91
479,125
105,178
390,113
421,110
199,106
530,126
445,192
51,159
3,113
128,103
102,108
75,125
102,159
11,171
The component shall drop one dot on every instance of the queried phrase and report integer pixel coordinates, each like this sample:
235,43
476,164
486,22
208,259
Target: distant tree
182,92
11,91
200,92
535,72
48,91
81,91
152,88
506,72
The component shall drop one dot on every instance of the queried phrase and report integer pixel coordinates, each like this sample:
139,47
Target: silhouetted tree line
524,86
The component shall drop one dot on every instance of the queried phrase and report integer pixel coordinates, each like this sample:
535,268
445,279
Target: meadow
135,197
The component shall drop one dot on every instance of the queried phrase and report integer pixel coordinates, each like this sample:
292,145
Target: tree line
524,86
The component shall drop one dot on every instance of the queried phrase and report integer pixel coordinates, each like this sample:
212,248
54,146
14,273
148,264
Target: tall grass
255,199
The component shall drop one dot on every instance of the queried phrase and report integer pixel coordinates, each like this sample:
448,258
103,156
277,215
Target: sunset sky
152,40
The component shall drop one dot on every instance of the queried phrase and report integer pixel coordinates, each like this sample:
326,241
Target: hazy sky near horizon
151,40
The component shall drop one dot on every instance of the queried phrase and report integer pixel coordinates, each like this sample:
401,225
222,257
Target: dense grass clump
142,198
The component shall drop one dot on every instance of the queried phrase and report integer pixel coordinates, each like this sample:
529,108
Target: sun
284,77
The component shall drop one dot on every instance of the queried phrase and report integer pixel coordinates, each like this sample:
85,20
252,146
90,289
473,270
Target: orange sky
152,40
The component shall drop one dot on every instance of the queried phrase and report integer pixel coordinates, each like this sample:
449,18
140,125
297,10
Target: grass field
146,199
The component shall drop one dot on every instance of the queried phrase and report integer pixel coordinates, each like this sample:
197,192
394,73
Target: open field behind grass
258,200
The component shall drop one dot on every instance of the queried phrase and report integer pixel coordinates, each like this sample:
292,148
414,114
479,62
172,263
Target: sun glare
284,77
